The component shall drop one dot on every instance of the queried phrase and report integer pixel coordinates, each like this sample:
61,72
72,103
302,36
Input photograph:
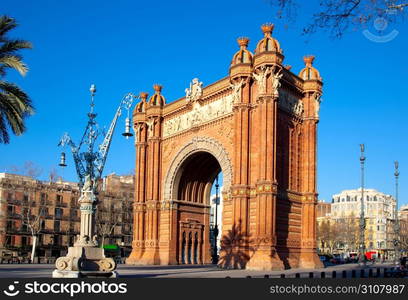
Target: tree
337,16
15,104
349,232
33,218
29,169
404,235
328,235
107,218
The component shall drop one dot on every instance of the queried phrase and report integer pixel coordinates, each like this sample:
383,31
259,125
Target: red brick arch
258,125
197,144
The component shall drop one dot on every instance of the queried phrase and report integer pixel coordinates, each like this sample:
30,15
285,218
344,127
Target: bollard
362,273
311,275
344,274
282,276
334,274
353,274
323,275
297,275
370,273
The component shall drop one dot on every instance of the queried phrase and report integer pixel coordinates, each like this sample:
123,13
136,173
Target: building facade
50,211
323,209
258,127
379,213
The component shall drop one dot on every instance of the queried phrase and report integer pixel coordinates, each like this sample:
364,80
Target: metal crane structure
91,163
85,256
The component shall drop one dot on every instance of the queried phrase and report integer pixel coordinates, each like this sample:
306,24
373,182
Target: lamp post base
84,274
85,261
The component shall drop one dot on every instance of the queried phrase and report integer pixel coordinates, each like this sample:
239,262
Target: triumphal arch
258,126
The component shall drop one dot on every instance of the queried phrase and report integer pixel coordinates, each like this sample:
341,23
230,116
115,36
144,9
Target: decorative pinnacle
362,149
143,96
288,67
309,60
92,89
157,88
396,169
243,42
267,28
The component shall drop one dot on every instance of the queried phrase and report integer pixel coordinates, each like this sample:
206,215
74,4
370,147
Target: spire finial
143,96
267,28
243,42
308,59
157,88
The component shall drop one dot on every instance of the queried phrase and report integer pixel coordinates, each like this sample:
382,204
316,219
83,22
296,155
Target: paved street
208,271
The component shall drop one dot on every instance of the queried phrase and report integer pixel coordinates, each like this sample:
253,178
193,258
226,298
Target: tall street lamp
85,258
215,229
362,218
396,223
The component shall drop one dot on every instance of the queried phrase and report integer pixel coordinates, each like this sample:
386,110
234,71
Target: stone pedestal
85,258
84,274
84,261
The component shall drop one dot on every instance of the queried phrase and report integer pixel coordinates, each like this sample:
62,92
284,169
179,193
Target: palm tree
15,105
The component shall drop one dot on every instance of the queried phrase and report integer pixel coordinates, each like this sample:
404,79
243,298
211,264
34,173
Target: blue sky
127,46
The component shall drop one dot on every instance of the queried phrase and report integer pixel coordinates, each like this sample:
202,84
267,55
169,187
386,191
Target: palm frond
4,136
15,105
14,117
17,97
6,24
11,46
13,62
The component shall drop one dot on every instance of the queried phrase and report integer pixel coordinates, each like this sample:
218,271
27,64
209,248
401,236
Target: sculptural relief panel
290,103
200,114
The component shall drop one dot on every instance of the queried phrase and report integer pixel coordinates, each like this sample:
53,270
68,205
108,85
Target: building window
10,225
10,209
59,199
43,198
9,240
44,211
56,240
58,212
57,226
10,197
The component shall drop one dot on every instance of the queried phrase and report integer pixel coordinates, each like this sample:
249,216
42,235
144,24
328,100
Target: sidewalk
206,271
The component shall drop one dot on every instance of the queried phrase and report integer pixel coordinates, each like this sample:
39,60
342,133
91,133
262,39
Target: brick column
308,255
264,238
151,253
139,206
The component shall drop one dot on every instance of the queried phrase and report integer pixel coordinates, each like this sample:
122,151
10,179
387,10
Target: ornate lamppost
85,258
396,223
215,229
362,218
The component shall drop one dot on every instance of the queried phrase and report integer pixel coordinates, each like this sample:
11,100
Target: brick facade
54,211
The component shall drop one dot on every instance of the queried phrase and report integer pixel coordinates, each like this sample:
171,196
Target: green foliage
15,104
